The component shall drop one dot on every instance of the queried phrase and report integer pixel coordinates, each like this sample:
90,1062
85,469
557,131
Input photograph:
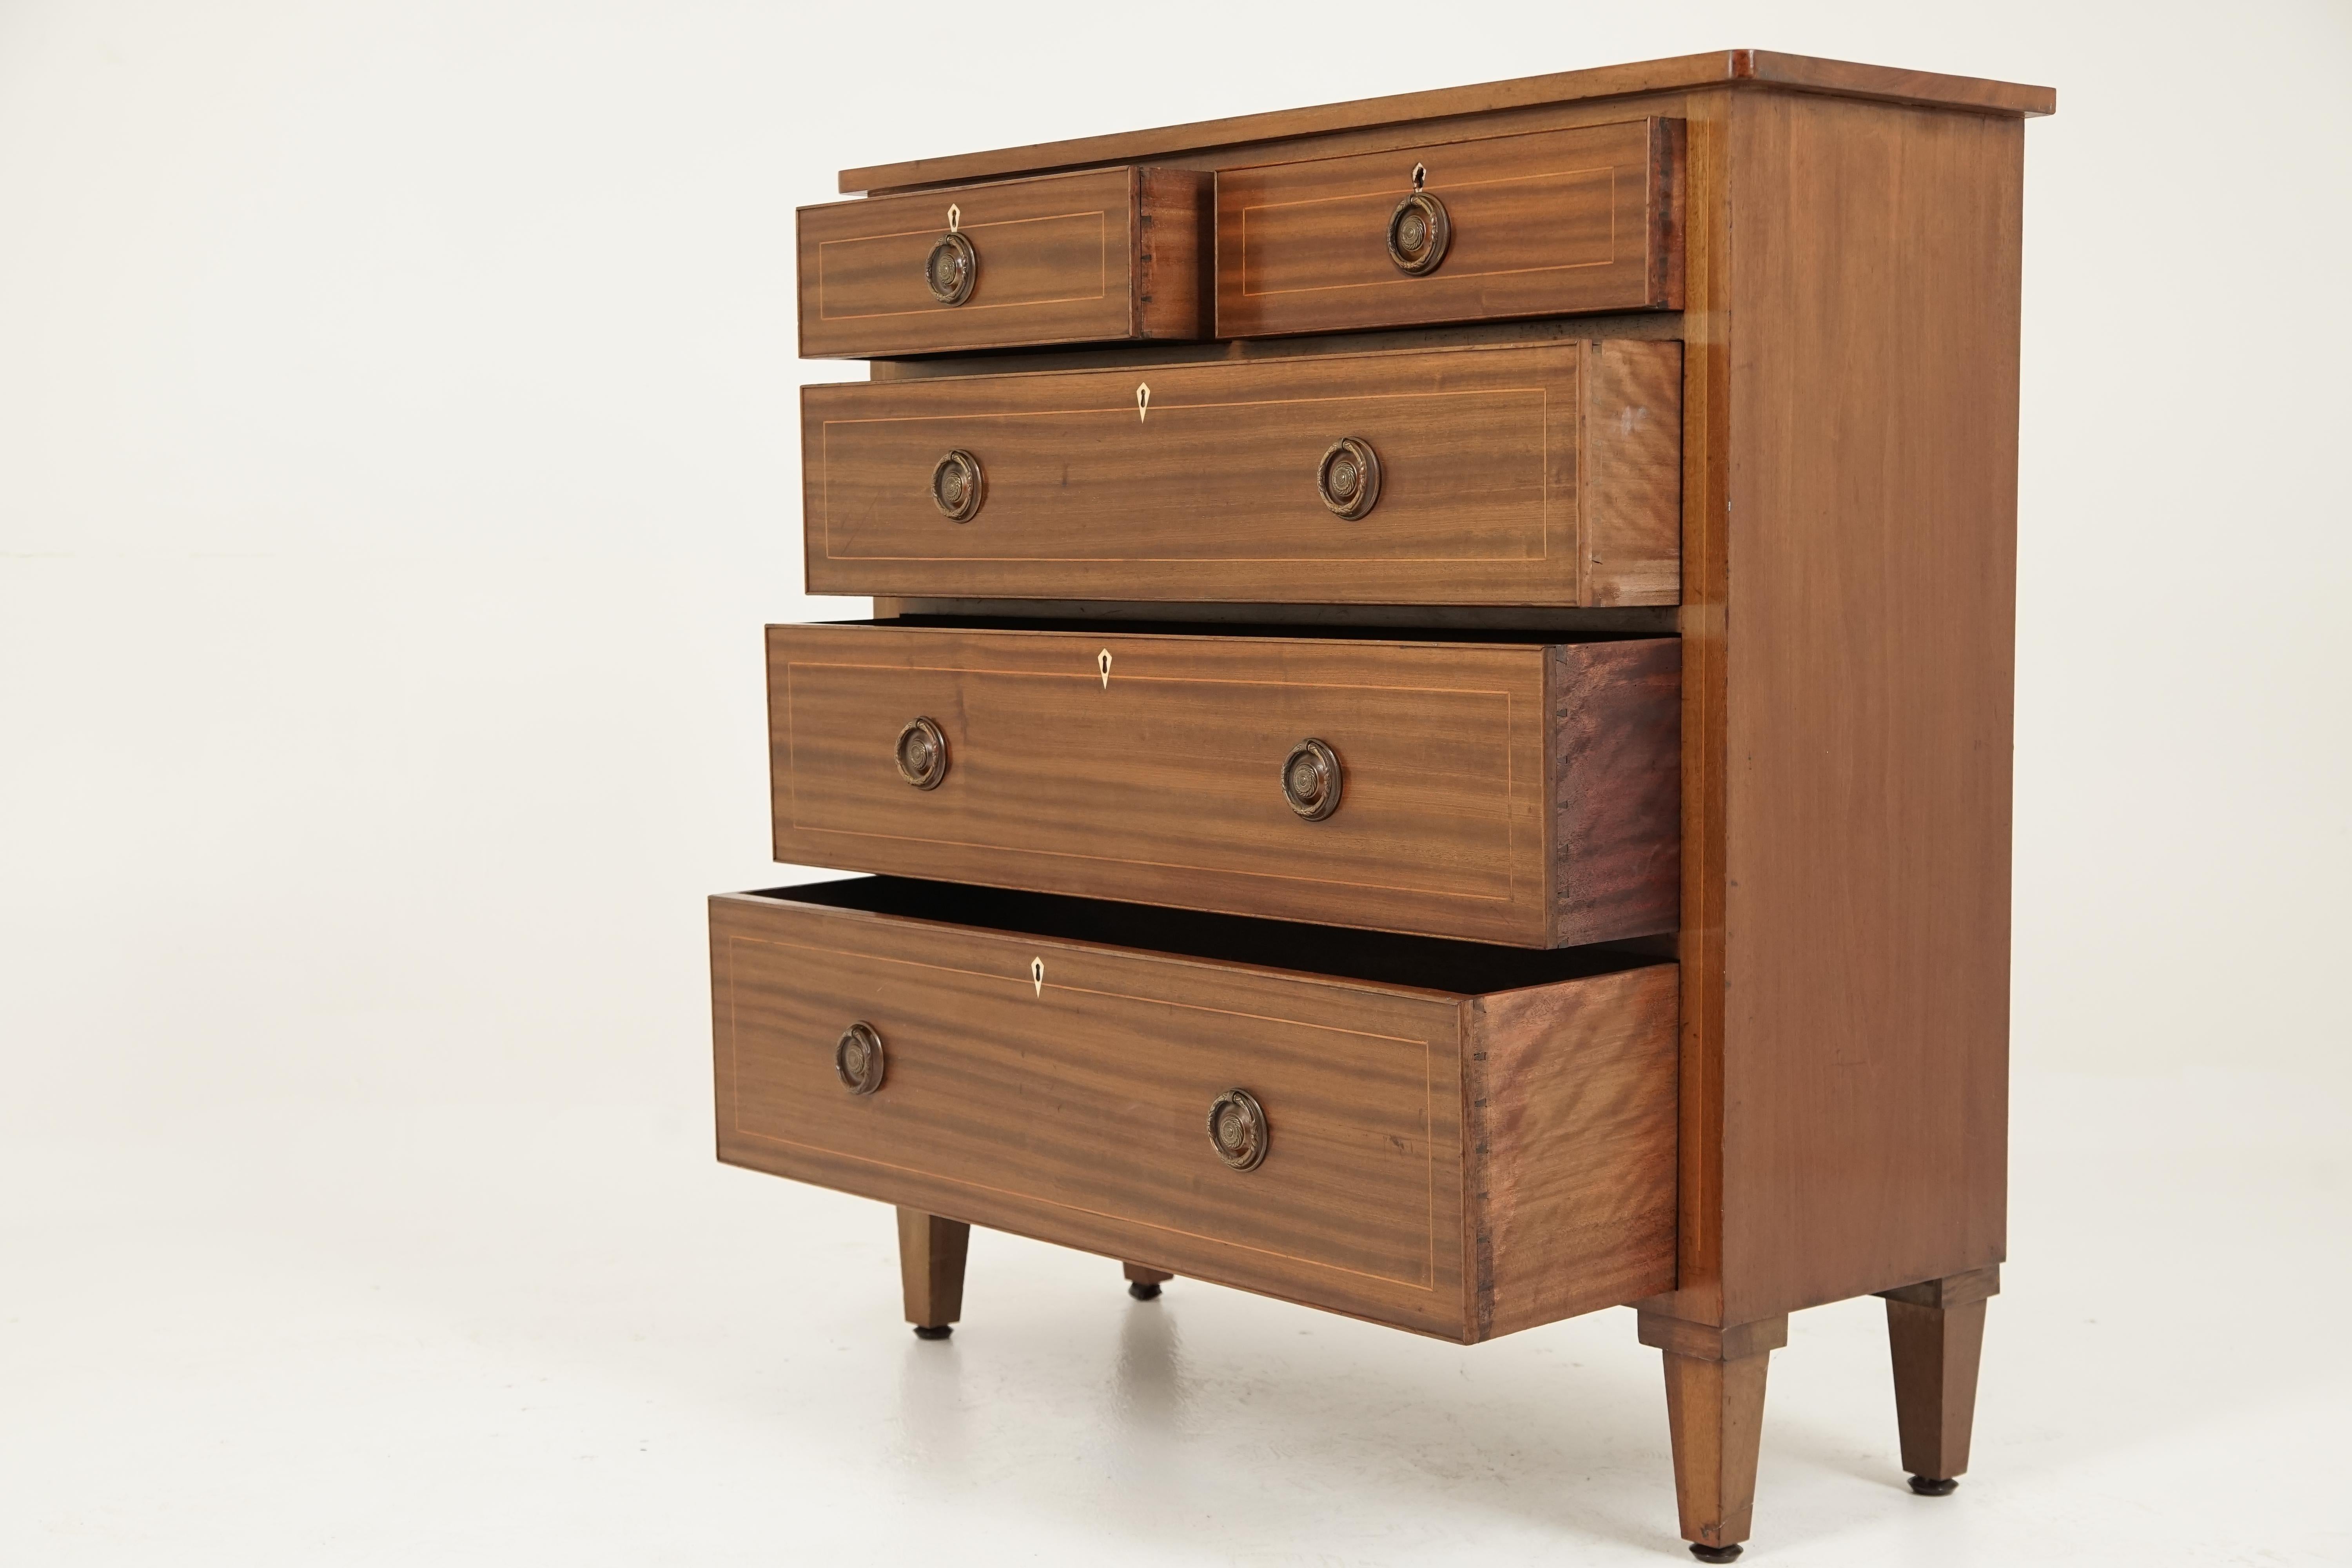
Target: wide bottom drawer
1449,1137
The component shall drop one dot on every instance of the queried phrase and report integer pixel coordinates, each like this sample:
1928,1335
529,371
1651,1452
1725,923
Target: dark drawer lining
1433,963
1305,632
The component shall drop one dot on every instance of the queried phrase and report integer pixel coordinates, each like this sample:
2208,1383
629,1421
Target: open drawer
1500,788
1101,255
1453,1138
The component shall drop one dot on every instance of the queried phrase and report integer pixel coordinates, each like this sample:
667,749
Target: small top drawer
1106,256
1549,223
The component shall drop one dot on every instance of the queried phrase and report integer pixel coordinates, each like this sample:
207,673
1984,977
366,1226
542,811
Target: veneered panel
1867,698
1104,256
1200,481
1549,223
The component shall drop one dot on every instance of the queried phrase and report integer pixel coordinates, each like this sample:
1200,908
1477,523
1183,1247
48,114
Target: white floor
286,1337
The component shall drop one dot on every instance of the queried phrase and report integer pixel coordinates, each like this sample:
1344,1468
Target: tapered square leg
1715,1410
931,1268
1143,1283
1936,1331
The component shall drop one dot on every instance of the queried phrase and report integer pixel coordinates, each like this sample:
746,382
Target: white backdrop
397,465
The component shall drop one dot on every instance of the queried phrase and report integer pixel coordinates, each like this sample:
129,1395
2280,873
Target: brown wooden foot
1935,1331
1142,1283
931,1268
1715,1409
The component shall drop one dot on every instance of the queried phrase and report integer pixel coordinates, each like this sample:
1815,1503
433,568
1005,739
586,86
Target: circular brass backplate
921,753
1237,1129
1418,234
951,268
1312,779
858,1058
959,484
1349,477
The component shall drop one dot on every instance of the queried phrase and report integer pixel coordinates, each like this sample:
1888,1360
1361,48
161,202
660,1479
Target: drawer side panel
1633,473
1573,1092
1616,745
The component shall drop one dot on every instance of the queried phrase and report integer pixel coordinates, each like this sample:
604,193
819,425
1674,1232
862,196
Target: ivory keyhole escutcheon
1102,662
955,213
1037,975
1142,400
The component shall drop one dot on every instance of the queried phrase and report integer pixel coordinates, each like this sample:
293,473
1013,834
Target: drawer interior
1499,632
1386,958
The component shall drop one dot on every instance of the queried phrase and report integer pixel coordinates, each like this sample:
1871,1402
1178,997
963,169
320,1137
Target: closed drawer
1510,792
1107,255
1549,223
1460,1140
1545,474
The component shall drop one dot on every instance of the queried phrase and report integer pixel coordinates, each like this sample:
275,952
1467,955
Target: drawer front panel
1106,256
1160,779
1541,474
1550,223
1064,1092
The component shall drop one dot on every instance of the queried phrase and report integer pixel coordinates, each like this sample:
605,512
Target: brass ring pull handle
1237,1129
1348,478
858,1058
1418,234
959,485
952,267
922,754
1312,779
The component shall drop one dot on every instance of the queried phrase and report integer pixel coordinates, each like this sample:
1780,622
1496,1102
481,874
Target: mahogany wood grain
1550,1130
1175,297
1616,787
1953,1291
1868,718
1714,1415
1703,625
1059,1088
1631,461
1548,223
1495,790
1544,474
1113,254
1846,404
1740,69
931,1253
1936,1351
1935,1331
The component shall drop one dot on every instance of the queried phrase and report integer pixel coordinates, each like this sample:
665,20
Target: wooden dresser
1435,740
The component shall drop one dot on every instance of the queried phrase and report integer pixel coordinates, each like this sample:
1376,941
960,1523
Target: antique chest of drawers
1435,737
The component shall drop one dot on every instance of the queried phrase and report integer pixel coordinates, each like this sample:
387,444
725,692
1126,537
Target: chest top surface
1718,67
